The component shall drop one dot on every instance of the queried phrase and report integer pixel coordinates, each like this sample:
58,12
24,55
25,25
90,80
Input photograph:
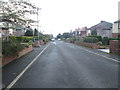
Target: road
64,65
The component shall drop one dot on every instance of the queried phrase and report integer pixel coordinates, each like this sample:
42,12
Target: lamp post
38,24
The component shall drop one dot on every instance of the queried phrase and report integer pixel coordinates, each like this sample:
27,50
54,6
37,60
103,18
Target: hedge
22,38
90,40
95,36
27,39
105,41
114,38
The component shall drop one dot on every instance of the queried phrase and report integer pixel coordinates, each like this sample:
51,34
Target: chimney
102,21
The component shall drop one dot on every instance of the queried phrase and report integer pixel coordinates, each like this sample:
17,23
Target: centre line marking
26,68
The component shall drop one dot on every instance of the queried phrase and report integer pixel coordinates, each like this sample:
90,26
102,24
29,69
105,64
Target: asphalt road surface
64,65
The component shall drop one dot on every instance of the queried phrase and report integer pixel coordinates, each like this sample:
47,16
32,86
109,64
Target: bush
98,37
21,38
30,42
27,45
90,40
11,48
105,41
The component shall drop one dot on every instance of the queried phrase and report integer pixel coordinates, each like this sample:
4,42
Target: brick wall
91,45
6,60
116,35
115,46
25,51
40,42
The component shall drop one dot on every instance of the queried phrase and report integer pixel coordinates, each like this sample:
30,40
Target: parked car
59,39
53,39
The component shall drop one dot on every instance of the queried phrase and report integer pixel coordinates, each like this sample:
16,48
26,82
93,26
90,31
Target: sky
59,16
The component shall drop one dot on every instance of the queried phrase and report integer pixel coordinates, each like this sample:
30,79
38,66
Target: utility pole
38,24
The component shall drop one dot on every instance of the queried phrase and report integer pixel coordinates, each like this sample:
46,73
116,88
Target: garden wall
6,60
115,46
91,45
36,43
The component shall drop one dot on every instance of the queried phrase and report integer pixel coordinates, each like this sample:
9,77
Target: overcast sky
58,16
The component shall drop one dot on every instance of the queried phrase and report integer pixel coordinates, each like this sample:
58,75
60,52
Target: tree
29,33
67,35
14,12
59,36
35,32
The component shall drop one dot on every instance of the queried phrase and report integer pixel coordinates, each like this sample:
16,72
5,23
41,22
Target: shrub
30,42
19,38
105,41
90,40
11,48
27,45
98,37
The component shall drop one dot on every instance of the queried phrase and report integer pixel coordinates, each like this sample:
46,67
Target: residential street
64,65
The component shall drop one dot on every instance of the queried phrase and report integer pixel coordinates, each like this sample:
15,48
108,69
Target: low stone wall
115,46
6,60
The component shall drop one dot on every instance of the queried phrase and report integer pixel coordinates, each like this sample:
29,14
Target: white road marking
100,55
26,68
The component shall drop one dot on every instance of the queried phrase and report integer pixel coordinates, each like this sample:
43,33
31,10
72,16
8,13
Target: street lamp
38,24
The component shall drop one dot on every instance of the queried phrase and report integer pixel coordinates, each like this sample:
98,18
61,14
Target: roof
81,29
117,21
102,25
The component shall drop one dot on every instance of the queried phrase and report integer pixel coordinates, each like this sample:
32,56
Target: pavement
64,65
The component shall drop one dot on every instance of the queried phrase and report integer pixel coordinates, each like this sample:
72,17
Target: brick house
103,29
116,29
115,44
82,32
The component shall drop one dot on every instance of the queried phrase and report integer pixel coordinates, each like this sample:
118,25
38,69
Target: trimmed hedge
114,38
95,36
90,40
22,38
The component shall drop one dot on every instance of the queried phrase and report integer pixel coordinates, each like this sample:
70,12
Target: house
82,32
115,44
88,32
20,31
116,29
103,29
4,32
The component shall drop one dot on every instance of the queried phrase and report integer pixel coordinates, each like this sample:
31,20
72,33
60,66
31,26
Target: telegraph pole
38,24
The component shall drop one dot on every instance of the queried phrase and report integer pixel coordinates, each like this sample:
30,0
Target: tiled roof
117,21
102,25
